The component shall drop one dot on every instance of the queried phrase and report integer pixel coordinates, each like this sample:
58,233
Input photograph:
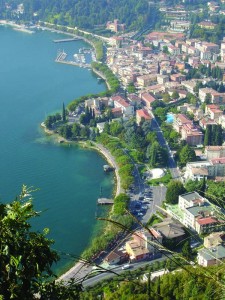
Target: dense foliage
83,13
213,135
175,188
26,256
192,284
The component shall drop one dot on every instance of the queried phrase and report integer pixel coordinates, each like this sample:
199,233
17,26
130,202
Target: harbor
79,60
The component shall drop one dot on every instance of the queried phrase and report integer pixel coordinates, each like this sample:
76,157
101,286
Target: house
213,111
216,97
161,79
144,244
100,126
117,112
211,256
194,213
211,169
134,99
120,102
173,50
142,114
116,256
177,77
170,230
115,26
190,199
207,224
214,239
146,80
204,122
189,85
189,132
206,25
214,152
147,99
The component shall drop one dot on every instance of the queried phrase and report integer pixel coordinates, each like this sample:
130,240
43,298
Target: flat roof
217,252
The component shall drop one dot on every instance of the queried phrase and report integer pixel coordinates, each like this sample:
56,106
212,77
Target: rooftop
206,221
205,209
191,196
213,253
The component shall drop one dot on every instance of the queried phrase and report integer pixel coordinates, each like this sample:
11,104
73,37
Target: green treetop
26,256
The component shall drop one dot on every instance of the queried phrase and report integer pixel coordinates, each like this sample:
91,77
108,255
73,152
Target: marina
79,61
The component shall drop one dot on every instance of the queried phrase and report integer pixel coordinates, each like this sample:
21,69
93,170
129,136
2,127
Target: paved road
118,270
172,164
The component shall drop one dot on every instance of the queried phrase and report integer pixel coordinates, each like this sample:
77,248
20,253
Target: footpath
82,269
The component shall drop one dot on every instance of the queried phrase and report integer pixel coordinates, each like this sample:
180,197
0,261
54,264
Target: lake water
68,178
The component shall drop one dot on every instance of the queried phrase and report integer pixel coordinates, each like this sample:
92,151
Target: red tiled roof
147,97
208,220
144,114
116,109
218,160
183,119
120,100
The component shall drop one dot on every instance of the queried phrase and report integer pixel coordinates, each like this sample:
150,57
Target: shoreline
80,265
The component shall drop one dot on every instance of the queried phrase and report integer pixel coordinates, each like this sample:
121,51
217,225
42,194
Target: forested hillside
82,13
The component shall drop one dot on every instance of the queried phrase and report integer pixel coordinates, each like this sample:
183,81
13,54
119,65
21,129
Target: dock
105,201
73,63
67,40
108,168
61,56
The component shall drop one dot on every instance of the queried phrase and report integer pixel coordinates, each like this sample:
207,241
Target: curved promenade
82,269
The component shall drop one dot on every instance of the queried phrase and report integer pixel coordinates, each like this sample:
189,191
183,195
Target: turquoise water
169,118
68,178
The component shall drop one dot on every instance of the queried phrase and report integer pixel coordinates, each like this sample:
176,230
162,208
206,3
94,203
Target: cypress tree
63,113
218,137
208,135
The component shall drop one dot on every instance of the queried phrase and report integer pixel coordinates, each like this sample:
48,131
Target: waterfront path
82,269
112,162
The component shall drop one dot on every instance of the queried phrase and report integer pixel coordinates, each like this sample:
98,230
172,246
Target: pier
73,63
105,201
61,56
67,40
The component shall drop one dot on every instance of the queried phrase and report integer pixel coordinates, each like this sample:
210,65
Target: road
171,162
118,270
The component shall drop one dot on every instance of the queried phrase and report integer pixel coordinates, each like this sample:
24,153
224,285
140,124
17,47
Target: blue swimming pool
169,118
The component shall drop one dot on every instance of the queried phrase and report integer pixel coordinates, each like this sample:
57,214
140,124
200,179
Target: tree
208,136
26,256
165,50
63,113
131,88
175,95
208,98
75,130
175,188
186,250
166,97
186,155
157,155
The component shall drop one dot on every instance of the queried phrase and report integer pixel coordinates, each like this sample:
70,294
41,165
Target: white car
125,267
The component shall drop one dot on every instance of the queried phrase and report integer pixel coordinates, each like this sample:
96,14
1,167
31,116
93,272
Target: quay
105,201
73,63
67,40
